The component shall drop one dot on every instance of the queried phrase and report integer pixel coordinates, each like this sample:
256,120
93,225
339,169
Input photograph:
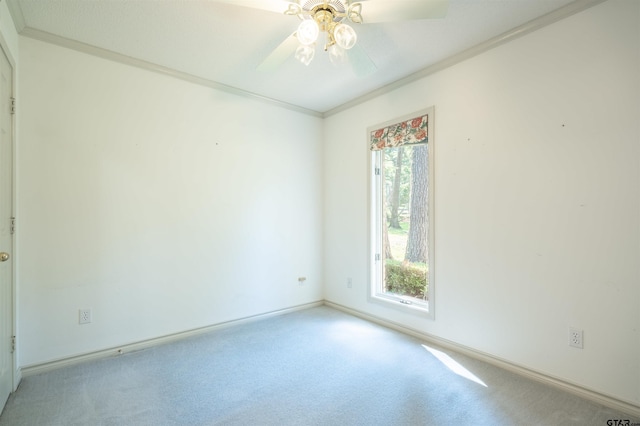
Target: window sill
401,304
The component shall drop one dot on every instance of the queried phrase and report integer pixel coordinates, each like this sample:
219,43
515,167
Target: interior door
6,231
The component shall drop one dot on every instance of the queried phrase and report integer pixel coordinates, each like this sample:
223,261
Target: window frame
376,188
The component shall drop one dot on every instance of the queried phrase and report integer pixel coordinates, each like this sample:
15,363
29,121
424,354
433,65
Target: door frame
16,373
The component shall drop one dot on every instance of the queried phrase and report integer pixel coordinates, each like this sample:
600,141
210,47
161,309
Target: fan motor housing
335,5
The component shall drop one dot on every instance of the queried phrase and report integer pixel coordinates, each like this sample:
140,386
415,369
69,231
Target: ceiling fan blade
278,6
402,10
361,62
280,54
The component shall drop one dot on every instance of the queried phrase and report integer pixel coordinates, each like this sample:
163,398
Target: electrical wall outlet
575,338
84,316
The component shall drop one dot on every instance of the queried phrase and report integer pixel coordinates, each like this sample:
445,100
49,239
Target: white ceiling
222,44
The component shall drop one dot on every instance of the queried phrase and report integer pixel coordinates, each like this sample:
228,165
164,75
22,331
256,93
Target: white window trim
375,236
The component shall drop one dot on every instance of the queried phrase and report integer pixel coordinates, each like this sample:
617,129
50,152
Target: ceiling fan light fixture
308,32
305,53
345,36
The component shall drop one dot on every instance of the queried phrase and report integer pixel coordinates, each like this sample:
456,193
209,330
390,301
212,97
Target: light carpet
318,366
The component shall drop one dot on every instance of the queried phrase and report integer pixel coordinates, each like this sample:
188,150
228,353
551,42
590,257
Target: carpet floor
318,366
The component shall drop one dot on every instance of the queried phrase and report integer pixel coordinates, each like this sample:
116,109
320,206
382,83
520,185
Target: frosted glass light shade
308,32
337,55
345,36
305,54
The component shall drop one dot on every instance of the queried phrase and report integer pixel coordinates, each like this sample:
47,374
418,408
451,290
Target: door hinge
377,171
13,344
377,257
12,226
13,106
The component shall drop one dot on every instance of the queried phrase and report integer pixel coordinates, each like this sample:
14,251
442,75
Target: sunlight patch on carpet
454,366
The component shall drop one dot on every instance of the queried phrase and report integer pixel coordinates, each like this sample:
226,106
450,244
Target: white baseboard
137,346
608,401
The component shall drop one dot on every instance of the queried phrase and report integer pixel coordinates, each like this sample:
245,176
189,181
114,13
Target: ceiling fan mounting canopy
334,10
335,4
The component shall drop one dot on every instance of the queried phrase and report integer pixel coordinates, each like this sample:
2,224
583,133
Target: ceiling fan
331,18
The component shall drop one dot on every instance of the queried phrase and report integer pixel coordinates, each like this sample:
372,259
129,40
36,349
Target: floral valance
408,132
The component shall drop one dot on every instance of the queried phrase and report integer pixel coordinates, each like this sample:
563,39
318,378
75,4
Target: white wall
153,202
537,155
161,205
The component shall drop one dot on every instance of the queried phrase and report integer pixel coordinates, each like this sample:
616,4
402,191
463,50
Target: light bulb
308,32
305,54
337,55
345,36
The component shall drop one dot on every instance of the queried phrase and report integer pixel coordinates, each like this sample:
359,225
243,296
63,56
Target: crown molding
526,28
149,66
568,10
16,14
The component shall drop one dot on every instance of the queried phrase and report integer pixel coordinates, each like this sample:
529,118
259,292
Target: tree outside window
401,205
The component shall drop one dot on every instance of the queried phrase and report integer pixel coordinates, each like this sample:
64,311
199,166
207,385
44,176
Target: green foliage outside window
407,279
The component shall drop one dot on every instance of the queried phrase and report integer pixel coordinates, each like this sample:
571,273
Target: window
402,243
